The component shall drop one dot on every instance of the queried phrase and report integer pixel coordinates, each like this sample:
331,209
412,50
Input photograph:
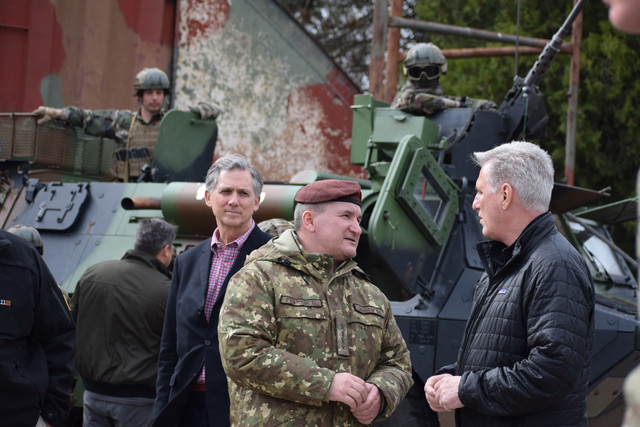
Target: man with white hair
526,350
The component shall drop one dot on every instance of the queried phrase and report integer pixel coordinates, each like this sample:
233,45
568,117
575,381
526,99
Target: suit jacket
188,341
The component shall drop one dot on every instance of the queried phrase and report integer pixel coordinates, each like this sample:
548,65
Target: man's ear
506,191
308,220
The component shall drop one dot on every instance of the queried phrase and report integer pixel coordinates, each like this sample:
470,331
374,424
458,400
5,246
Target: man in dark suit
192,387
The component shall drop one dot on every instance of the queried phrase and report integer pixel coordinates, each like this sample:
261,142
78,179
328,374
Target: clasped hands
363,398
442,392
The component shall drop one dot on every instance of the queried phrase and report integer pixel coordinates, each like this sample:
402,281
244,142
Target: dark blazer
188,341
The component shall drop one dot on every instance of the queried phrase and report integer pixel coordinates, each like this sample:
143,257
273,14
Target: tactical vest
139,150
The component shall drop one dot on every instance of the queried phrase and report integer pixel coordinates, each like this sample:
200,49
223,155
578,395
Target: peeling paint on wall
283,103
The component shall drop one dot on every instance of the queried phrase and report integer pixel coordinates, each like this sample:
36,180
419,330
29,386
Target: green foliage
608,120
607,152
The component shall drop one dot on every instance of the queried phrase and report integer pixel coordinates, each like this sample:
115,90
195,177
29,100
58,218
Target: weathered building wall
78,52
284,103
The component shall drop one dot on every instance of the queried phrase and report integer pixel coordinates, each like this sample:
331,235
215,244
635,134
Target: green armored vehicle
419,230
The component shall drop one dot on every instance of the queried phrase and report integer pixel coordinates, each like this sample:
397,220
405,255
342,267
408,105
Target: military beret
330,190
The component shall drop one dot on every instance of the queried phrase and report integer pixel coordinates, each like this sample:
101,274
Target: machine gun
523,104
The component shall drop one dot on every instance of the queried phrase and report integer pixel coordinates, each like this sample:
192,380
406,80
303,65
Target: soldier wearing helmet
29,234
136,132
422,94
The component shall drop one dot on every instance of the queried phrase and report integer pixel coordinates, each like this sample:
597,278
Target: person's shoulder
367,283
197,249
259,237
13,247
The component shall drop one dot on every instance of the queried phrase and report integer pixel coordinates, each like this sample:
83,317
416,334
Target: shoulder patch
362,275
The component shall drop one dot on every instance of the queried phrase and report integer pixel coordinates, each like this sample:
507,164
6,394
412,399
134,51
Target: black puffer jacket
526,351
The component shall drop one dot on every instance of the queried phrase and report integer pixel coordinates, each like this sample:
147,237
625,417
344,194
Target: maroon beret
330,190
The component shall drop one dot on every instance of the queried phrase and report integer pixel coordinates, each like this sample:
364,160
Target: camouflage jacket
427,101
288,325
114,124
423,101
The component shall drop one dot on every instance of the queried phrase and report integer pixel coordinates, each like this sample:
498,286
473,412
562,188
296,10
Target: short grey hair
153,234
231,162
316,208
525,166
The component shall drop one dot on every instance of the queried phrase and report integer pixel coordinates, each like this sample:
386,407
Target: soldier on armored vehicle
135,131
422,94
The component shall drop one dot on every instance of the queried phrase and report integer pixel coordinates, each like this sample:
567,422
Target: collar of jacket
288,248
147,259
496,255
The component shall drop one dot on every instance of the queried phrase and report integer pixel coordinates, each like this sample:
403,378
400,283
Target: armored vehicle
419,230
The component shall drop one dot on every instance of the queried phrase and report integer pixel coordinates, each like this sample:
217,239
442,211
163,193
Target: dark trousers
195,413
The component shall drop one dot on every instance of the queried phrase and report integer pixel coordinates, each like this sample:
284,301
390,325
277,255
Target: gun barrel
552,48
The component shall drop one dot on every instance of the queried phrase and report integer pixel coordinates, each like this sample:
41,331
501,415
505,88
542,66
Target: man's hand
349,389
44,114
430,392
206,110
366,412
446,390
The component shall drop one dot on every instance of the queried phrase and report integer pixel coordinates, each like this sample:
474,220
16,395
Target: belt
200,387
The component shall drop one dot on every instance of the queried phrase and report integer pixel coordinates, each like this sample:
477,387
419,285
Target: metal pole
452,30
393,54
482,52
376,62
572,109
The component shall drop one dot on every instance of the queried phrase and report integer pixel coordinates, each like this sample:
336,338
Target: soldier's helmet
424,61
29,234
151,78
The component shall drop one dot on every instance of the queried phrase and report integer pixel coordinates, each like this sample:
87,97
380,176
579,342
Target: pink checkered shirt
223,258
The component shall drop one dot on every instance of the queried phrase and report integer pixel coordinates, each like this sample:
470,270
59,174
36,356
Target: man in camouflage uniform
422,94
135,132
305,337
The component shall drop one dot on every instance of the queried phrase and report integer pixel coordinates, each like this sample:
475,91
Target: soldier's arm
111,123
392,374
415,102
248,331
206,110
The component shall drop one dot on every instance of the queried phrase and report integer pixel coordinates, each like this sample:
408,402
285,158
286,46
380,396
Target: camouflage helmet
151,78
29,234
422,56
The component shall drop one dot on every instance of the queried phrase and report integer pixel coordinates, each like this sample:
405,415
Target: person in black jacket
37,339
192,386
525,354
118,306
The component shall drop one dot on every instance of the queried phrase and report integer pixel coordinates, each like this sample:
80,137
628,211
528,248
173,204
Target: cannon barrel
182,204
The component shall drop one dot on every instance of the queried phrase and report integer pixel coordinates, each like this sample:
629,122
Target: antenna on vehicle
515,70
